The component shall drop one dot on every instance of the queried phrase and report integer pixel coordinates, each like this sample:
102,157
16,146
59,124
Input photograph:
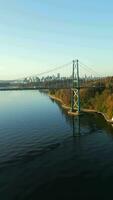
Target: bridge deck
47,88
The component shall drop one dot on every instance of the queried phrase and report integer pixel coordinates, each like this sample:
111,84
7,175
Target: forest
93,98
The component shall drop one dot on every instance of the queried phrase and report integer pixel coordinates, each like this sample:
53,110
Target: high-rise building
58,76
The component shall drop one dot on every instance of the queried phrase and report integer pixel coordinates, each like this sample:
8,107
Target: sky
38,35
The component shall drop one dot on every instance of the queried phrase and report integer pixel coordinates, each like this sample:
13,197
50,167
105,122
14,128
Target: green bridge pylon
75,90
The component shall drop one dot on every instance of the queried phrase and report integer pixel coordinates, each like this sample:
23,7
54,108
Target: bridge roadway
46,88
54,84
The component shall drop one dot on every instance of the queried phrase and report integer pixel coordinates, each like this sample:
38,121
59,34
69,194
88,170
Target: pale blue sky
38,34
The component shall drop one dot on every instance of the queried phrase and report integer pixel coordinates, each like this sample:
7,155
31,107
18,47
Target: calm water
44,153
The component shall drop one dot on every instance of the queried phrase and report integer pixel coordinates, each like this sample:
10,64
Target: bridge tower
75,90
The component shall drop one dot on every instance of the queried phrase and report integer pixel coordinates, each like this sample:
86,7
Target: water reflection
44,150
76,126
86,123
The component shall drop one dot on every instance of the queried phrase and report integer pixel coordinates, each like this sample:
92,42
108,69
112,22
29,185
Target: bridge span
69,76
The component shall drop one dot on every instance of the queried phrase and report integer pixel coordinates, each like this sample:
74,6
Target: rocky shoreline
68,108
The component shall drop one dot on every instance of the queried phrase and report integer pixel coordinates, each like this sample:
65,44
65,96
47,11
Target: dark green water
45,154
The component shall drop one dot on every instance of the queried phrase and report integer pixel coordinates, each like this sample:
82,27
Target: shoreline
59,100
83,110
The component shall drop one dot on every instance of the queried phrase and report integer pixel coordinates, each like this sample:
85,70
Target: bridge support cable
75,91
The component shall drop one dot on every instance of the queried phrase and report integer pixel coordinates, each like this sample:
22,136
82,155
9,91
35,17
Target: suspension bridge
73,75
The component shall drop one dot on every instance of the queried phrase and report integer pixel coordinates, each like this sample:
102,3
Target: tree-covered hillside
96,98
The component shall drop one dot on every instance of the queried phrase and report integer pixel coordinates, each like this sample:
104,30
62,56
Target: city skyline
36,36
